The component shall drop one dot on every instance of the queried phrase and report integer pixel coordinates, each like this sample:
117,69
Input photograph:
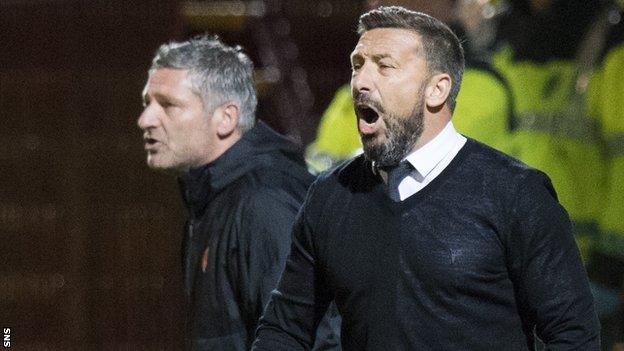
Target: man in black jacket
242,184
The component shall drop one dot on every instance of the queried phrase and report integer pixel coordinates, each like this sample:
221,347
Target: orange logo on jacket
204,261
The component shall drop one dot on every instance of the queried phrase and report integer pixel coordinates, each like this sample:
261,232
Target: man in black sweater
241,182
430,240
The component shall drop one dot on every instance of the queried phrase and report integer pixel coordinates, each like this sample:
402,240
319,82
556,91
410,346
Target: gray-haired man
241,182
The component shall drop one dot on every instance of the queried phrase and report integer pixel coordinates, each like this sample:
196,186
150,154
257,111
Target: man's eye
356,66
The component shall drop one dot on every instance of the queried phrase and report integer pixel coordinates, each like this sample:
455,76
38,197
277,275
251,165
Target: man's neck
224,145
433,126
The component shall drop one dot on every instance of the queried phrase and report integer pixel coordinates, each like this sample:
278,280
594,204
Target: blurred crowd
544,82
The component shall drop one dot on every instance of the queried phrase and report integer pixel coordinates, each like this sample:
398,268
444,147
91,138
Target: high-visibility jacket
482,111
554,133
606,101
484,108
337,137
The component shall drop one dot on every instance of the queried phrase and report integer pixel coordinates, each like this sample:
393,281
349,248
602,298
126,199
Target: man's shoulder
499,169
492,160
352,174
277,175
269,199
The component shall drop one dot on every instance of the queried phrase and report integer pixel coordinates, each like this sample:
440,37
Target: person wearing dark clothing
429,240
474,261
241,208
242,184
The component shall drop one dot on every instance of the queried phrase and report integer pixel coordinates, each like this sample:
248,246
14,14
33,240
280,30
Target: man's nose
362,81
148,118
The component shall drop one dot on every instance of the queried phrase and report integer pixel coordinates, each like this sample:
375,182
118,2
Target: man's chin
373,150
157,164
166,166
372,141
383,153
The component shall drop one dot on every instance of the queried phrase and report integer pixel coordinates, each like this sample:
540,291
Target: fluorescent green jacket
606,102
554,133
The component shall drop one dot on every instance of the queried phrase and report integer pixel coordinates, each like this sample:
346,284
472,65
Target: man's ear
438,90
228,115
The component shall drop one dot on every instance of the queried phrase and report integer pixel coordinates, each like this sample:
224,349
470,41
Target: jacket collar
199,185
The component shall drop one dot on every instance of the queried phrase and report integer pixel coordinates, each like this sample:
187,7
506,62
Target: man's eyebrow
144,97
378,57
166,98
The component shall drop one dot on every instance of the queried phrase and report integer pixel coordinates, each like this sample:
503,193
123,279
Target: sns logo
6,342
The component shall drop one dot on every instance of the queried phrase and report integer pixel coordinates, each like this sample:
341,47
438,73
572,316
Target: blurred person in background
241,182
429,240
484,105
606,104
549,49
540,43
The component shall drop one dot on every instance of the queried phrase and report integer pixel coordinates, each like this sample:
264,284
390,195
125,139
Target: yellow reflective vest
337,137
606,102
554,133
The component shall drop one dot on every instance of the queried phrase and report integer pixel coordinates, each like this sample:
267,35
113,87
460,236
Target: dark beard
401,135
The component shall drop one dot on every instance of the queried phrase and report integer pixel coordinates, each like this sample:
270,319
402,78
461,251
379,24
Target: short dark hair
442,49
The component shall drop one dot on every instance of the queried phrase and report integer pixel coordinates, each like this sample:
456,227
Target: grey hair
443,50
219,73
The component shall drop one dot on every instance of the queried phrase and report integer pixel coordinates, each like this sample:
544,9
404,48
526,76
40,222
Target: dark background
90,237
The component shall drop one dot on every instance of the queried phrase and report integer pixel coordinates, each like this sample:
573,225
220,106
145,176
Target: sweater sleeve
296,307
551,285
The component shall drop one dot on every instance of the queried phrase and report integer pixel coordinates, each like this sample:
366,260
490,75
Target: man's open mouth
367,119
368,114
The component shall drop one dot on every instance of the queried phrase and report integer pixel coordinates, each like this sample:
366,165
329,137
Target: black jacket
241,209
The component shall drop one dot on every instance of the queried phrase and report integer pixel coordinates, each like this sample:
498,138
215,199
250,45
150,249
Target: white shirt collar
429,155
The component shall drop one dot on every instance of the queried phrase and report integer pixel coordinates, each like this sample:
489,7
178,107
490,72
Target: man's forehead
167,76
166,79
388,41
